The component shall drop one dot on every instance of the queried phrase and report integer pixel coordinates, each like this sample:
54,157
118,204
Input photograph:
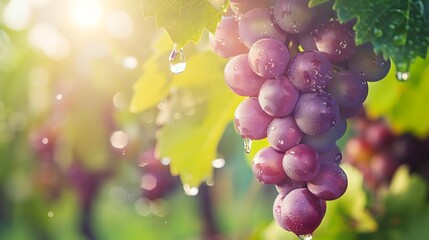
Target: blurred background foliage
92,122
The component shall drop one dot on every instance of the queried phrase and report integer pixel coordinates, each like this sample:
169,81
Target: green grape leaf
402,104
150,89
397,28
191,140
184,20
313,3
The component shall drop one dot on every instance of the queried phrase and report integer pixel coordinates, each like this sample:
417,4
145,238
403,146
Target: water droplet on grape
338,51
306,237
343,44
247,145
272,128
281,141
177,60
403,76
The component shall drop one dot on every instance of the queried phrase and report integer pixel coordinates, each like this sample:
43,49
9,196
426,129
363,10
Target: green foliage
184,20
397,28
403,104
313,3
197,109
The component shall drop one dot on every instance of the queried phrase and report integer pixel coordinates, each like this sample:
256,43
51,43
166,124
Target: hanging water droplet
190,191
305,237
403,76
247,145
177,60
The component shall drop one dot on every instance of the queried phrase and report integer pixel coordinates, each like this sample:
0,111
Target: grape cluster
303,76
377,151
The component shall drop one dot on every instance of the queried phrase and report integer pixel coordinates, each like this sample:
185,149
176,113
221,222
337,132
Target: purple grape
241,78
349,89
349,112
301,163
226,41
310,71
301,212
335,39
287,185
371,66
332,154
316,113
267,166
322,142
278,97
268,57
257,24
250,120
283,133
293,16
277,210
330,183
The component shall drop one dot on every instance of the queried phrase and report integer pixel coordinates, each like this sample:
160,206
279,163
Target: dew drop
403,76
177,60
378,32
306,237
247,145
50,214
343,44
399,40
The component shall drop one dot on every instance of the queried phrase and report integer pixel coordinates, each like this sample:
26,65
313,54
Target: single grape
330,183
250,120
240,7
310,71
349,89
277,210
316,113
257,24
371,66
378,134
322,142
226,41
278,97
332,154
267,166
268,57
287,185
335,39
240,78
301,163
301,212
283,133
293,16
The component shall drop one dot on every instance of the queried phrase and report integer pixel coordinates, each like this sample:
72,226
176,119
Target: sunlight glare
86,13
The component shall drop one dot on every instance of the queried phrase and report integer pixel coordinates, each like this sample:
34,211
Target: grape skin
240,78
330,183
283,133
301,163
316,113
293,16
278,97
226,41
268,57
267,166
256,24
250,120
